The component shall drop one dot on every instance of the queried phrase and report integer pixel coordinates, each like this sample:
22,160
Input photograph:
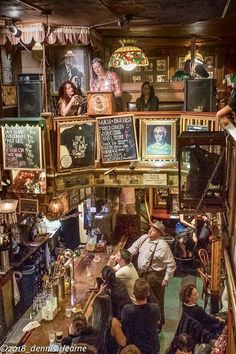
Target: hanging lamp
128,56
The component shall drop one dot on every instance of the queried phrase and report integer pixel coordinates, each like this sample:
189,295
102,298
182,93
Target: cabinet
6,302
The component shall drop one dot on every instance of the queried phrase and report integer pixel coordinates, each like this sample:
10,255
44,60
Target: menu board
28,206
22,147
117,138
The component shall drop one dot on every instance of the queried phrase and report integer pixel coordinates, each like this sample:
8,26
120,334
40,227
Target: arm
116,331
65,107
135,246
223,113
89,310
184,222
167,258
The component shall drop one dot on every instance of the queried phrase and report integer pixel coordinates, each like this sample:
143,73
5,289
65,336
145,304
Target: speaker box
200,92
29,96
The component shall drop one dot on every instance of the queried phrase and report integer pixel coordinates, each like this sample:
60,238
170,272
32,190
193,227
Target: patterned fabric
109,83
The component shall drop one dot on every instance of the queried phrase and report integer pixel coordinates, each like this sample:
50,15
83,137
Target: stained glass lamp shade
128,56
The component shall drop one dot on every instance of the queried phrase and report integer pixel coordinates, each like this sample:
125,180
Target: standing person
71,101
160,146
125,270
147,101
140,320
66,71
102,80
224,114
155,262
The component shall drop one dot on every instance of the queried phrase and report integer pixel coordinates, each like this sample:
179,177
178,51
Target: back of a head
108,275
102,312
185,292
126,255
141,289
130,349
182,342
79,321
203,348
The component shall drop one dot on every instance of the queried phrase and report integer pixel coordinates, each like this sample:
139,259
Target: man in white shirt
125,270
155,262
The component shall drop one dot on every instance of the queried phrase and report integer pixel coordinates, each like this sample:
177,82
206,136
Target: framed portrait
76,142
161,64
158,139
209,62
6,69
69,64
180,63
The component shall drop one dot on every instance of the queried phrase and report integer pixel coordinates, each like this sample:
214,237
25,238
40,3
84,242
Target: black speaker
29,94
200,94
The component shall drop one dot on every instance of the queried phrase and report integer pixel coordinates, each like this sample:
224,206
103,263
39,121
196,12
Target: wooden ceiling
167,20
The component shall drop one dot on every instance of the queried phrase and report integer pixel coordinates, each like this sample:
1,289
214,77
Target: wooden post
216,260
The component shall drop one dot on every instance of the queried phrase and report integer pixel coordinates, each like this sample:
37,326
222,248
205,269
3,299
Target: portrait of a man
69,66
160,145
159,139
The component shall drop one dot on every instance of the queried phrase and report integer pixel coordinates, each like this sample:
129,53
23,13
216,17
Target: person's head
188,294
97,68
182,344
108,275
68,57
156,230
123,257
67,90
79,321
102,312
160,134
141,289
147,90
130,349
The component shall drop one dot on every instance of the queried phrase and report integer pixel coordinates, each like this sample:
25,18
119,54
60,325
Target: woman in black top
147,101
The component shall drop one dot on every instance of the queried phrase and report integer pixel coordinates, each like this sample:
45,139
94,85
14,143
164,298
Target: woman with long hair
117,291
148,101
182,343
71,101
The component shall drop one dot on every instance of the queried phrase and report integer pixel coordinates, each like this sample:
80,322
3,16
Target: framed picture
159,139
180,63
209,62
28,206
69,65
6,68
161,64
76,144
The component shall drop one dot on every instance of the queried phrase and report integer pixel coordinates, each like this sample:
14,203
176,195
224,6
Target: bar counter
79,295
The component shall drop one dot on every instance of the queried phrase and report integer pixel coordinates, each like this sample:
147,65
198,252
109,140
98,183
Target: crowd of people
127,313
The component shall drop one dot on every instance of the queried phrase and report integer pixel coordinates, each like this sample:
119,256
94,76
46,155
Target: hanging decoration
128,56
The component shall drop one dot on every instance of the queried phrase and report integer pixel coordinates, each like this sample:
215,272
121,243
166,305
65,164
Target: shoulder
112,74
61,100
154,307
128,308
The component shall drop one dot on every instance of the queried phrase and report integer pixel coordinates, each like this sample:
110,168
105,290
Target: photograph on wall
161,64
6,68
181,63
76,144
159,139
69,65
209,62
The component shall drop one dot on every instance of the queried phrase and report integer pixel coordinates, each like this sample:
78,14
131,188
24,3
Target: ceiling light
128,56
14,31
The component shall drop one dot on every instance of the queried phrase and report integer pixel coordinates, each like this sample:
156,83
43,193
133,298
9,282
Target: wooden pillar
216,260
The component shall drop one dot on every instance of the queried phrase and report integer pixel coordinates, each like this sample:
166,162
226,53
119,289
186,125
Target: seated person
125,270
117,291
181,344
147,101
71,101
189,297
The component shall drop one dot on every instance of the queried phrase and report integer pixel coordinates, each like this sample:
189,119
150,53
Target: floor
173,307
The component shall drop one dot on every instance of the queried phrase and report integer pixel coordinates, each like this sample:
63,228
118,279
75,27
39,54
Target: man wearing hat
68,72
155,262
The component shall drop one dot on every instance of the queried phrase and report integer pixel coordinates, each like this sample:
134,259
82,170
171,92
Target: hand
112,258
164,282
74,98
102,288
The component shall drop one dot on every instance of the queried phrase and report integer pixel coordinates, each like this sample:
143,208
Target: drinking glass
51,336
59,335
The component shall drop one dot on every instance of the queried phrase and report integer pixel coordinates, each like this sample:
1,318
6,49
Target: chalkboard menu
22,147
118,138
28,206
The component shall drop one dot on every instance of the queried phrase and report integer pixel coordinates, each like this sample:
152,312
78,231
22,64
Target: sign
28,206
159,179
22,147
72,181
118,138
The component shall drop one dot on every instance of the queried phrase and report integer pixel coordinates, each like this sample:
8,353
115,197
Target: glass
68,311
51,336
59,335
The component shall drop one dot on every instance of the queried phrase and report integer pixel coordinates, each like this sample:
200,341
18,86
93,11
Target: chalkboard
118,138
28,206
22,147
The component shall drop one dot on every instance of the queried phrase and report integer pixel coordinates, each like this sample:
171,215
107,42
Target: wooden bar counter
79,295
